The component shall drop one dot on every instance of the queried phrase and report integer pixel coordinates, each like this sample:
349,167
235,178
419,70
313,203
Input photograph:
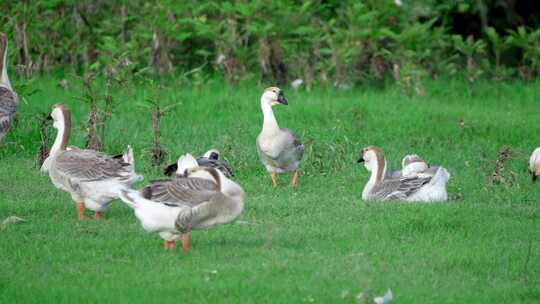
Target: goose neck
378,170
62,137
270,123
5,79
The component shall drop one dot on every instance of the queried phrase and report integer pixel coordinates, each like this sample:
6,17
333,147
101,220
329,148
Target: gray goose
280,150
430,186
210,159
9,101
174,207
92,178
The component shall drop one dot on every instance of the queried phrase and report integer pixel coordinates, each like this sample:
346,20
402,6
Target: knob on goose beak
281,98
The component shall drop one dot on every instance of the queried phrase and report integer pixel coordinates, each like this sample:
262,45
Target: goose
430,186
92,178
174,207
411,165
280,150
210,159
534,164
9,100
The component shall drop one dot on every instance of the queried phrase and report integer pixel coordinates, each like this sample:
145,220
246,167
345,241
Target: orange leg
98,215
168,245
80,211
294,180
274,179
185,242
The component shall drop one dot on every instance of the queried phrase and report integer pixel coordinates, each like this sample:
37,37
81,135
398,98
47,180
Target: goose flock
200,192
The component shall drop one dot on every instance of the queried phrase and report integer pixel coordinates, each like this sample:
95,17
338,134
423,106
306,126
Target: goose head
371,156
212,154
60,115
411,158
412,163
273,96
184,163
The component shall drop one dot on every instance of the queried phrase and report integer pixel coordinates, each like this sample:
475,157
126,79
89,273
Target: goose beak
281,99
49,117
534,177
214,156
361,159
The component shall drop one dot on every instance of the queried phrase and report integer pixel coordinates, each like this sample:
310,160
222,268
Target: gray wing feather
90,165
181,191
397,189
9,102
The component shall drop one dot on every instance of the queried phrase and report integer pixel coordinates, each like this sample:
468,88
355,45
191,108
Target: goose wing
181,191
398,189
8,108
90,165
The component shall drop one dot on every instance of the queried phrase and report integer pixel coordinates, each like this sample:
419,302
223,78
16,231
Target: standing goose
210,159
280,149
430,186
9,101
174,207
92,178
534,164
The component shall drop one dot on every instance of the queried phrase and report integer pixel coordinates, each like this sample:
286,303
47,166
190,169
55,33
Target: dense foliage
340,42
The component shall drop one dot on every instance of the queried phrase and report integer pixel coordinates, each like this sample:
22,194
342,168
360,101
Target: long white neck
234,192
5,78
61,141
270,123
377,175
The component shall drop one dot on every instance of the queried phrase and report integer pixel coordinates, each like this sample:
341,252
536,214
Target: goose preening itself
204,198
210,159
534,164
429,186
411,165
9,101
280,149
93,179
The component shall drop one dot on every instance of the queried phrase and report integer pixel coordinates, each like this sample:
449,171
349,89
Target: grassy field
318,243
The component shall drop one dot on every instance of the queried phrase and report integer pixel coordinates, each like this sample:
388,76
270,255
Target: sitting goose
209,159
9,101
411,165
430,186
280,149
92,178
174,207
534,164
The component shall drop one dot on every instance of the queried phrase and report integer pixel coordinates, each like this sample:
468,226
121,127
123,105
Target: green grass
318,243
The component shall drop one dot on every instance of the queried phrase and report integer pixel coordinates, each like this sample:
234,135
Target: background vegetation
342,43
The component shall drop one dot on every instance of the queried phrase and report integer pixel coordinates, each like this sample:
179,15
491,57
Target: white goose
174,207
93,179
9,101
411,165
430,186
280,149
210,159
534,164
